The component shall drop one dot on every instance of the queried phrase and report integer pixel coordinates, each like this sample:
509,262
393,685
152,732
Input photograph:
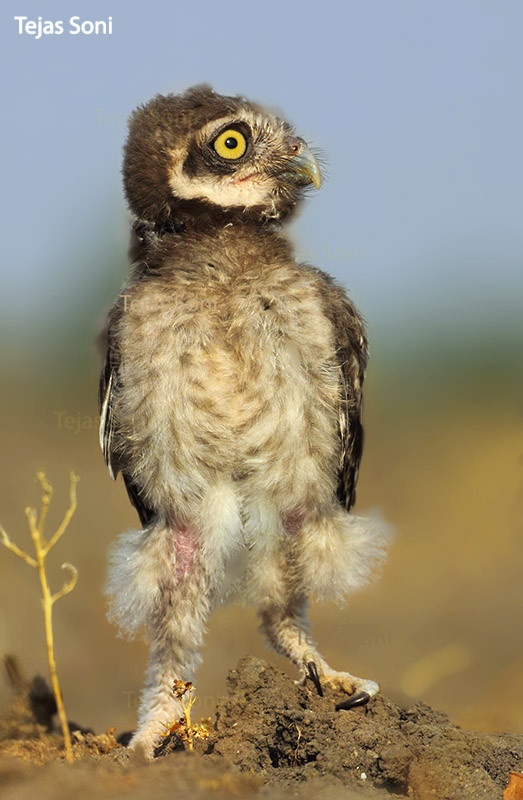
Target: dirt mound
288,734
273,739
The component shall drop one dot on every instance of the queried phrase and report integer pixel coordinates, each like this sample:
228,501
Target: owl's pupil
231,143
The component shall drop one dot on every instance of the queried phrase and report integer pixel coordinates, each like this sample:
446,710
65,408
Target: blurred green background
417,108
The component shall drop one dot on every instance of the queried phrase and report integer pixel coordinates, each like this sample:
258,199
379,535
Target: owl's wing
108,386
351,353
352,356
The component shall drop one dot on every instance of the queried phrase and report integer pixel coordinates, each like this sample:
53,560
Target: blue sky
417,106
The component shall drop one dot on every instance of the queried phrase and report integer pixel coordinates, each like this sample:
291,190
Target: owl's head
225,152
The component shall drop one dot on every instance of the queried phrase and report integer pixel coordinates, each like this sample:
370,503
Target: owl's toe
356,699
360,690
313,674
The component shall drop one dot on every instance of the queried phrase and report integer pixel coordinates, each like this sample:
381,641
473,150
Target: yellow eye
230,144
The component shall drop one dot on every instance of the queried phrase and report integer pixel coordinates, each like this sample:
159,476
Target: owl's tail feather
339,553
139,570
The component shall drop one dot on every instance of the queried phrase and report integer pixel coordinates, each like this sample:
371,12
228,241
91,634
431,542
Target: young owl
230,399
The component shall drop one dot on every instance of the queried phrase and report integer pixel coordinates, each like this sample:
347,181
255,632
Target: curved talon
312,669
355,700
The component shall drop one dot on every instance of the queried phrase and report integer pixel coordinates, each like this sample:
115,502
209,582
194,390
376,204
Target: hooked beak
303,168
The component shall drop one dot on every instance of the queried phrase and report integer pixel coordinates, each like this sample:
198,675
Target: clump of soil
272,739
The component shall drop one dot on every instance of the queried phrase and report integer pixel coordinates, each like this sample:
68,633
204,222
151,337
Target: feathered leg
165,579
158,580
329,553
287,631
177,632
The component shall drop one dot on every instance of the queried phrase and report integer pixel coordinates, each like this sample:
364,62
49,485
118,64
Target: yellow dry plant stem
42,548
187,711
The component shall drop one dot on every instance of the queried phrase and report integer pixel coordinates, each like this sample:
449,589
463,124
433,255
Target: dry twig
42,548
183,727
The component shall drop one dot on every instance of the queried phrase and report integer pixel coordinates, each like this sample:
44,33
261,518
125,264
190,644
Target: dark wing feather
351,352
352,357
106,394
108,386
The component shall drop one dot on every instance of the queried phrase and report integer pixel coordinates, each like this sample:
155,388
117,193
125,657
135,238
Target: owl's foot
144,743
360,690
155,725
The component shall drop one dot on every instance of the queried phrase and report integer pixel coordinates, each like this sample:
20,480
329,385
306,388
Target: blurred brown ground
443,464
